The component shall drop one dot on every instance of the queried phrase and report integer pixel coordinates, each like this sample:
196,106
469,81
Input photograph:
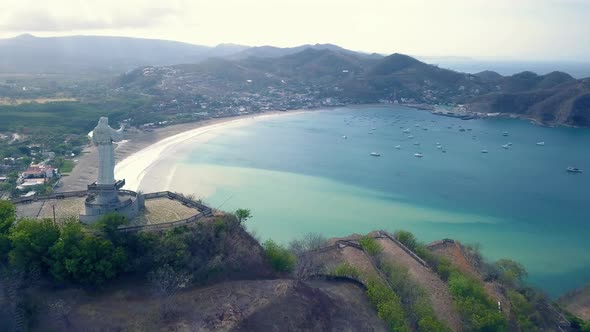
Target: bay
298,174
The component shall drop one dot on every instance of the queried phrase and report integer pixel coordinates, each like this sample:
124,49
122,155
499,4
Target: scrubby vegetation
414,299
346,270
281,259
388,304
530,307
71,254
370,245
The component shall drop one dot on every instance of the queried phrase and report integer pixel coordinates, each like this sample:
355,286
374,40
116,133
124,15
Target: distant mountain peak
25,36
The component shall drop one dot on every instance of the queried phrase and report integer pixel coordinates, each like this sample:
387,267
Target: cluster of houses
36,175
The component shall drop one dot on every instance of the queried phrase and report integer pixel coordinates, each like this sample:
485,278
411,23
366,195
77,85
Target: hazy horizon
547,30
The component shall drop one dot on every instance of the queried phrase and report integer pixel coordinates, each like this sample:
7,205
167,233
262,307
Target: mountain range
329,70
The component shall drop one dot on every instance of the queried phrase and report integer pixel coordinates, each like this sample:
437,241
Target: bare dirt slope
577,302
256,305
438,291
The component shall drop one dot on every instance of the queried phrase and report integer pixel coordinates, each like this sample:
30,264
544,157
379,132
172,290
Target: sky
513,29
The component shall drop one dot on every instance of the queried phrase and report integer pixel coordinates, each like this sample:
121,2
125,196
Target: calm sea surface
298,174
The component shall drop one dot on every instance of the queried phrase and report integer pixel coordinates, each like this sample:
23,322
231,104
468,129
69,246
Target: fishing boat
375,154
572,169
398,147
419,155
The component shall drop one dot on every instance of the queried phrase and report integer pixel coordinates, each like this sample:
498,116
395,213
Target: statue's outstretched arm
117,135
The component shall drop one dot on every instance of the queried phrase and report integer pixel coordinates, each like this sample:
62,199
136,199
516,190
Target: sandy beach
141,149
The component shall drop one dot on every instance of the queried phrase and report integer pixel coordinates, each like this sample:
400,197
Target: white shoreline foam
134,168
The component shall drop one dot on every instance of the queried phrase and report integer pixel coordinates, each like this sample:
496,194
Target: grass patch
346,270
67,166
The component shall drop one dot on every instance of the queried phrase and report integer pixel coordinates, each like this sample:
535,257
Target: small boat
345,137
444,151
461,129
410,136
416,143
424,128
437,143
484,151
373,128
505,146
398,147
375,154
572,169
370,133
419,155
509,143
540,143
407,130
439,146
505,133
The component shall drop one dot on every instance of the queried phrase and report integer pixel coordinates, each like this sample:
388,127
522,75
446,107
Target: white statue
103,137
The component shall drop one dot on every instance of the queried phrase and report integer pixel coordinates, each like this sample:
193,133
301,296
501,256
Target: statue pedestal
106,198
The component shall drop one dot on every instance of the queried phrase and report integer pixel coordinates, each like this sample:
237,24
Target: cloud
44,21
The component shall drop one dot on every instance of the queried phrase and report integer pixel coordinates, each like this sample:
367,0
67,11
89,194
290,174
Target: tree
7,216
511,272
109,225
243,214
85,259
31,240
309,241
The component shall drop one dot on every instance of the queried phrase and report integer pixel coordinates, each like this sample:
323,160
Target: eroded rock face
245,305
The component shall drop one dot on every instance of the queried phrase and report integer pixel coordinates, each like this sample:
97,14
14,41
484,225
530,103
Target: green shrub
278,256
346,270
407,239
370,245
219,227
444,268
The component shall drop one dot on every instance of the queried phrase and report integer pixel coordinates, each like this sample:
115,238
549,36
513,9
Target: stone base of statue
107,198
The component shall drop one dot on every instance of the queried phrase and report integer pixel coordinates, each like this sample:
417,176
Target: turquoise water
297,175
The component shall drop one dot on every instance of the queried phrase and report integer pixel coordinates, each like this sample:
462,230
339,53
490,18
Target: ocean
298,174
